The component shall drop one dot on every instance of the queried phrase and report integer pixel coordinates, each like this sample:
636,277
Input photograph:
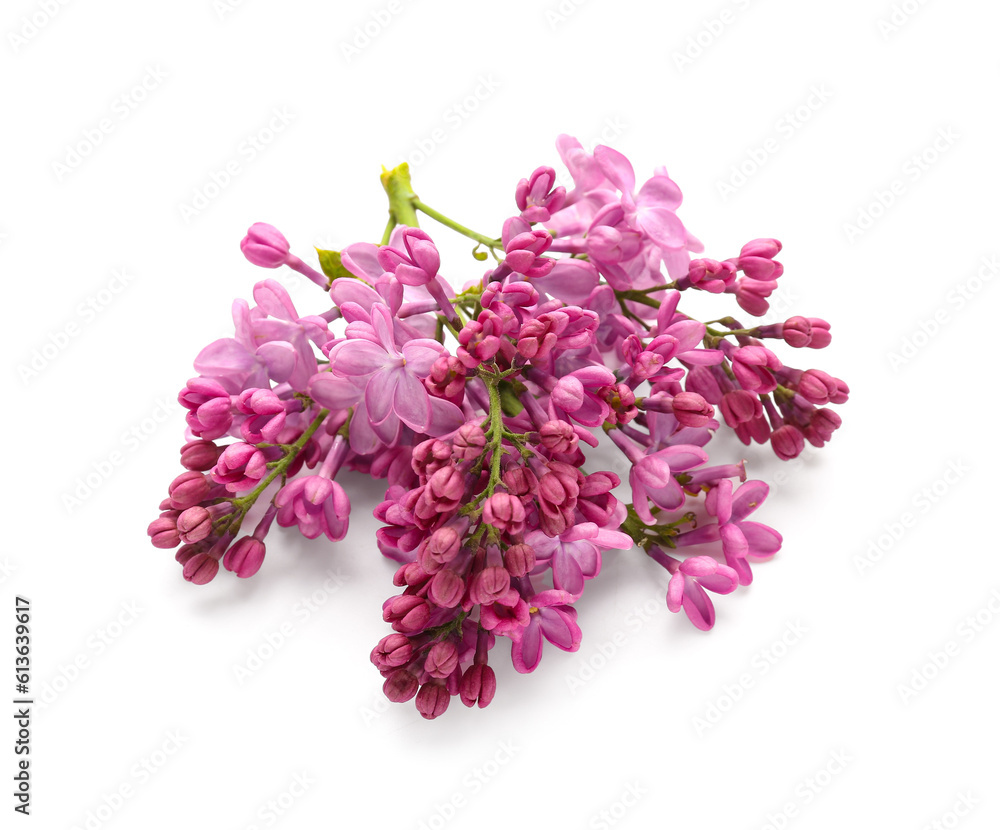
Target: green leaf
329,261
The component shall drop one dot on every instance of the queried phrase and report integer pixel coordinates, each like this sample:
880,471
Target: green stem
495,435
451,223
653,290
638,297
388,229
734,332
244,503
399,189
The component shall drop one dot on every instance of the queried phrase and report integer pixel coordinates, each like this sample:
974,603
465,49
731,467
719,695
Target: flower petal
271,296
357,358
616,167
379,394
566,572
334,392
410,402
699,607
763,541
661,191
662,226
526,653
560,628
445,417
748,498
420,355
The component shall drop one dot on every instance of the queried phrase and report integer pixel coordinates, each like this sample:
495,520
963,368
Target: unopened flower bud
787,441
692,410
504,512
558,436
200,455
489,585
432,700
245,557
163,531
447,588
201,568
194,524
392,651
264,245
407,614
188,489
400,686
442,660
519,560
478,686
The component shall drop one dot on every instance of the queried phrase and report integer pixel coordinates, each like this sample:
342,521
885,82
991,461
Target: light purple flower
316,504
651,211
687,588
652,479
575,555
551,617
742,539
391,377
536,197
272,342
577,394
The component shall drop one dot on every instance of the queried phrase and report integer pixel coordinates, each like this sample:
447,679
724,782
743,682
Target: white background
842,97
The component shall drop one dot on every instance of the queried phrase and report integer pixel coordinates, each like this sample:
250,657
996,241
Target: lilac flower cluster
476,405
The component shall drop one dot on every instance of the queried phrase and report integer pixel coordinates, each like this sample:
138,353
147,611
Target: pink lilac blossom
479,408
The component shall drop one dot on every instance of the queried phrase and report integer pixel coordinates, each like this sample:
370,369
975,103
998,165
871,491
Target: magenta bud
520,481
446,588
469,442
820,333
447,485
194,524
447,379
245,557
188,489
700,379
817,386
432,700
519,560
504,512
558,436
752,295
265,246
822,426
692,410
392,651
478,686
740,406
442,660
186,552
200,455
797,332
766,248
439,549
400,686
489,585
412,574
201,568
756,260
711,275
407,614
163,531
787,442
430,456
